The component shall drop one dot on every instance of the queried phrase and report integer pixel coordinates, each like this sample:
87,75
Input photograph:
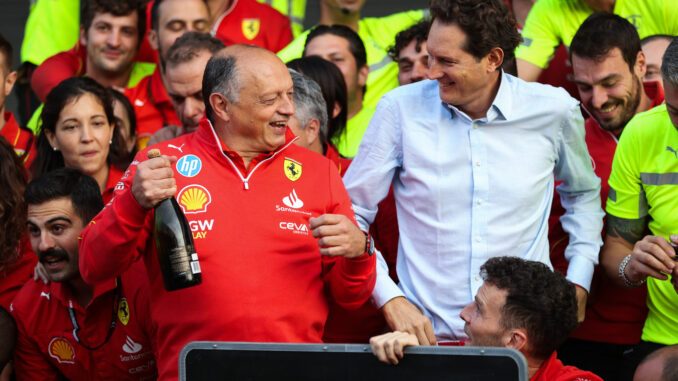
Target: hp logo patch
189,165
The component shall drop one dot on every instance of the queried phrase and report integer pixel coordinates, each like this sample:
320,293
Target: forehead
263,75
612,63
82,107
40,214
129,20
492,297
445,39
327,44
187,74
410,50
183,10
654,50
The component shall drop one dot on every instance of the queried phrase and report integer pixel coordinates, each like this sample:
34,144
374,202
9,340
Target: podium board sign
200,361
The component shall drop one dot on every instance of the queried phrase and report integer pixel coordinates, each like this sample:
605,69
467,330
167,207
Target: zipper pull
247,186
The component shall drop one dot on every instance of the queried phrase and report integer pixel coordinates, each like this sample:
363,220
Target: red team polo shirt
250,22
14,277
46,346
554,370
263,278
20,138
614,314
152,107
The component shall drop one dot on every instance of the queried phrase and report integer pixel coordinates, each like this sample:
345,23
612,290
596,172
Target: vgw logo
201,227
189,165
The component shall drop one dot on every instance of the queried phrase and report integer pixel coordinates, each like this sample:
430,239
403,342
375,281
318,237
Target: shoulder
262,9
32,296
649,123
551,100
422,92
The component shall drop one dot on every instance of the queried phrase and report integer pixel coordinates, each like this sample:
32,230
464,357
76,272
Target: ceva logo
294,227
189,165
293,201
194,198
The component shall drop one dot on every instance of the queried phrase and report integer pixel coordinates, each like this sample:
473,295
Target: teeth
609,108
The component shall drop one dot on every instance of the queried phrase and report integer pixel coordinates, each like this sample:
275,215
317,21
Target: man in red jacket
68,328
272,222
521,305
608,66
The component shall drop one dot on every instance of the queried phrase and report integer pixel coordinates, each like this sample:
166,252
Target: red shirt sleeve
350,280
55,69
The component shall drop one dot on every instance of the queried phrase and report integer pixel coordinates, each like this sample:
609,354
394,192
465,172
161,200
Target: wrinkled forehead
56,209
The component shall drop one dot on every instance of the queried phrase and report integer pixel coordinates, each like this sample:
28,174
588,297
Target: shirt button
478,163
478,239
475,125
478,277
480,201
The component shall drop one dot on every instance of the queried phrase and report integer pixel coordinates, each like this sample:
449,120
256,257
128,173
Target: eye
57,229
102,27
33,231
405,67
69,127
202,26
176,26
584,88
129,32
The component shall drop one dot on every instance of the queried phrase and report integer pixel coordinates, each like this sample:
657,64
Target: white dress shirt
468,190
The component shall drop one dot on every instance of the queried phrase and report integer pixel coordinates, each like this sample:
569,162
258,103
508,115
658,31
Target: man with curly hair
521,305
410,53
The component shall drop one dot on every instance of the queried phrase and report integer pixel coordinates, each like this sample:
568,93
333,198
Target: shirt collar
501,106
62,293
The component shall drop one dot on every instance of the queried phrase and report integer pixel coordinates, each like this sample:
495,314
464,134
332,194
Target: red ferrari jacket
47,349
20,138
263,278
152,107
250,22
614,314
554,370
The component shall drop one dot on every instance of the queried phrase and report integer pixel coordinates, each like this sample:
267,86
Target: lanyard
111,328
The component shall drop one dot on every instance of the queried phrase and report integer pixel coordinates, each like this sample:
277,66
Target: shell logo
194,199
61,350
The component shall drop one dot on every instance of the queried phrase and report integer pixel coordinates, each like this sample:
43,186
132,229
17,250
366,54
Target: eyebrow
611,76
60,218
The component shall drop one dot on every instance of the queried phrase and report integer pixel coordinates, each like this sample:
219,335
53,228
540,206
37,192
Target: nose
286,106
45,241
194,109
113,39
419,71
86,134
598,97
434,71
465,314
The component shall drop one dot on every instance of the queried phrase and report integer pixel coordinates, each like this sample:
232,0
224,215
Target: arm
650,256
527,70
540,40
118,235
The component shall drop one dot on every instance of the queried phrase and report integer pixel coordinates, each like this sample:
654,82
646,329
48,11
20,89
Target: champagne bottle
174,244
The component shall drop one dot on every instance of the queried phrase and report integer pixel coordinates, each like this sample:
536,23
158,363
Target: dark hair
220,77
600,33
670,64
355,44
129,110
7,52
417,32
539,300
487,23
333,87
12,208
82,190
90,8
7,337
189,46
64,93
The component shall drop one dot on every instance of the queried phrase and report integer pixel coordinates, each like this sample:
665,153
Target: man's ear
517,339
336,110
83,36
220,106
153,39
10,80
494,59
640,68
362,75
312,130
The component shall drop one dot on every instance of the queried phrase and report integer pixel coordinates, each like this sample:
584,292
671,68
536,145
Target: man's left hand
582,296
338,236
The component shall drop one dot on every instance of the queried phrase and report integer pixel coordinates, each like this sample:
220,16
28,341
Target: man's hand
389,346
403,316
39,273
651,256
154,181
582,296
338,236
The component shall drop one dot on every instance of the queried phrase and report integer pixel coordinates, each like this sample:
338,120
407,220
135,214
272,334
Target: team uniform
152,107
552,22
15,275
263,278
643,184
554,370
20,138
614,315
48,344
250,22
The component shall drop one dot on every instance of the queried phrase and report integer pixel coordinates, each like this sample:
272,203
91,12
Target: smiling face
608,89
183,83
82,135
176,17
483,316
257,122
412,64
112,42
53,228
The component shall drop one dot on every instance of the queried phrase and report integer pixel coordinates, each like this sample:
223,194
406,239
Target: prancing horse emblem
292,169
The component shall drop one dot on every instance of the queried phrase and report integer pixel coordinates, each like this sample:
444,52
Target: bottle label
179,260
195,267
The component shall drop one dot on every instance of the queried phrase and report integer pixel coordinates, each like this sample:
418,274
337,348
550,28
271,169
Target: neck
533,366
2,117
316,146
477,108
355,104
105,79
217,8
82,292
333,15
101,176
645,101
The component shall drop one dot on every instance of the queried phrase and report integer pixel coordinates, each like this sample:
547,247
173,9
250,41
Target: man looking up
185,64
643,195
170,19
521,305
240,168
490,195
608,65
343,47
410,53
20,138
66,328
376,33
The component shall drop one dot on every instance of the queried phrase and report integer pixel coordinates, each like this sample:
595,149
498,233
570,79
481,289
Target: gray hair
309,103
670,64
221,76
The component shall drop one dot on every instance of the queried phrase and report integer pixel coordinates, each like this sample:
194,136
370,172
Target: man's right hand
403,316
154,181
651,256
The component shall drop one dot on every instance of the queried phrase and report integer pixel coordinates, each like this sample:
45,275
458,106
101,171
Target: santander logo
293,201
131,346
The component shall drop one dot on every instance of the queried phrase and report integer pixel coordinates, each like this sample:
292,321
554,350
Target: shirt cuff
127,209
580,272
385,288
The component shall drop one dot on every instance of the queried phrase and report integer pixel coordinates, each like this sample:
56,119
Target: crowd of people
496,173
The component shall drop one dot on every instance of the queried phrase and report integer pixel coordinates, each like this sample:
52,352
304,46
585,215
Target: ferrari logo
123,311
250,28
292,169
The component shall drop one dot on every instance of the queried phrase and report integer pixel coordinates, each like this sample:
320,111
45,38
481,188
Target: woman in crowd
125,122
77,131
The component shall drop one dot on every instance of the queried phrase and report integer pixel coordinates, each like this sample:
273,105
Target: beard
629,106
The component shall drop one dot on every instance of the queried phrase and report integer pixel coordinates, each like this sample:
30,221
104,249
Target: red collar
11,131
63,294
